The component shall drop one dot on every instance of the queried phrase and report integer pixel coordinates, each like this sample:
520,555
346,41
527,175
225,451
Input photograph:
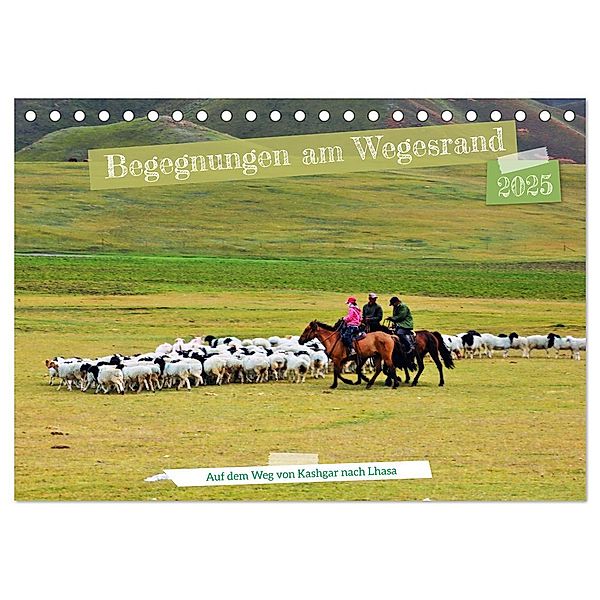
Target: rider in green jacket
403,322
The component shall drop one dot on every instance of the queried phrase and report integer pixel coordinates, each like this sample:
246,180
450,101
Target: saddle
408,338
351,339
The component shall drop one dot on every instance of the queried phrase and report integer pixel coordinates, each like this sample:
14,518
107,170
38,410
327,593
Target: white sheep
179,370
297,366
256,367
559,343
196,368
165,348
495,342
108,376
471,343
234,369
537,342
454,344
111,359
89,377
216,366
141,374
577,345
264,343
319,363
178,346
518,342
229,340
52,366
67,370
277,362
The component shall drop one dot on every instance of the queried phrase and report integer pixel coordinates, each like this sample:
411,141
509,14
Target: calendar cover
300,299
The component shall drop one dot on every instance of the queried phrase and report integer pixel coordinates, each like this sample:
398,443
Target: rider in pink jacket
352,320
354,317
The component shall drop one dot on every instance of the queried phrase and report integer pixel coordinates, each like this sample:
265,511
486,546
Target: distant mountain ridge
565,140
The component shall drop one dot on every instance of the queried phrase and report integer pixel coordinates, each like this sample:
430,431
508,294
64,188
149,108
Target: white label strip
523,160
292,458
366,471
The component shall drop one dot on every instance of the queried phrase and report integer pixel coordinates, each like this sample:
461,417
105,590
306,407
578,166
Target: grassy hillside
28,132
563,139
416,214
74,142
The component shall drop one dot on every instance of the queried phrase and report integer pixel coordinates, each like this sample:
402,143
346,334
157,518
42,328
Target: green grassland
416,214
500,430
140,267
134,275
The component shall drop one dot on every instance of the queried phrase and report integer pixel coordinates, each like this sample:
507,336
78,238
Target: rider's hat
394,299
351,300
372,295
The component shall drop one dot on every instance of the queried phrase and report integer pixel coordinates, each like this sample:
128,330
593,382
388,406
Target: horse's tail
401,360
443,349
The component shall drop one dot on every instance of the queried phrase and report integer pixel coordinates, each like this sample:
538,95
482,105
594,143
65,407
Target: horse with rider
360,336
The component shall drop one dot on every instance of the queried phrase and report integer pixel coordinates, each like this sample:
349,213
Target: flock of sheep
211,360
207,360
472,343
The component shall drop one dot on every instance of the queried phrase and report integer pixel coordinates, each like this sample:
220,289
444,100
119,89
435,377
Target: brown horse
379,346
432,343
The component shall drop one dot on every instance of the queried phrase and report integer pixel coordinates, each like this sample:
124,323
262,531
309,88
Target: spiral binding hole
300,115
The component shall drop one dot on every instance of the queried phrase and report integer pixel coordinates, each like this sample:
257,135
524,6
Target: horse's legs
359,371
336,372
346,380
421,367
436,359
360,376
388,379
392,376
407,374
377,362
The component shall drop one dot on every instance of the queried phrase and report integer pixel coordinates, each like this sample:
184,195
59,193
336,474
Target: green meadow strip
127,275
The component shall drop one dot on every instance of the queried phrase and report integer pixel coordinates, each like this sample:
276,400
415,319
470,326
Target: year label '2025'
531,185
537,183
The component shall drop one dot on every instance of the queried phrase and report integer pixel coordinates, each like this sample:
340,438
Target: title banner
296,155
312,473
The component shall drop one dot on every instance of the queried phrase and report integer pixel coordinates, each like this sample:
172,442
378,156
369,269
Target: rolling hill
564,140
74,142
28,132
421,214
